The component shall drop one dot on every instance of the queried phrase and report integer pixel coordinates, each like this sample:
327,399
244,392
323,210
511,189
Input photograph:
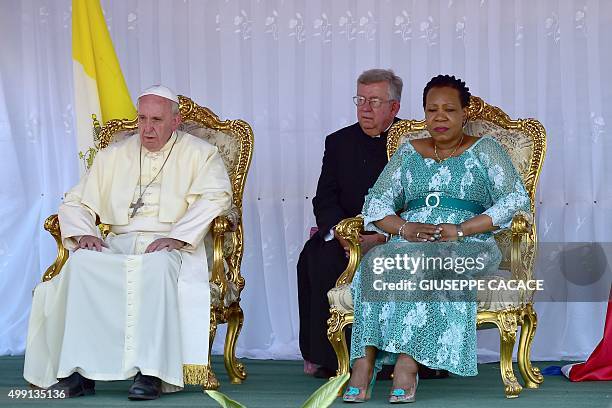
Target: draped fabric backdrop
288,67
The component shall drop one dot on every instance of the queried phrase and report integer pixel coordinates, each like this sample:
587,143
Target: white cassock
113,313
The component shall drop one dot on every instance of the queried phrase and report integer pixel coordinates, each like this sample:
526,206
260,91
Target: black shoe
426,373
75,385
145,387
324,372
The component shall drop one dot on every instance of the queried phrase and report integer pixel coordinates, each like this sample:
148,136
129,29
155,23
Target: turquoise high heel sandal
399,395
351,394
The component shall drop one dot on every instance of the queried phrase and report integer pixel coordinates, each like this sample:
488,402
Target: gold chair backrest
524,139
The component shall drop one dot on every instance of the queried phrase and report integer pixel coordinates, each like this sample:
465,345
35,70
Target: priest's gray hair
383,75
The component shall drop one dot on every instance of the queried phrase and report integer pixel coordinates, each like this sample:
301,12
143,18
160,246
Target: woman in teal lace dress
451,190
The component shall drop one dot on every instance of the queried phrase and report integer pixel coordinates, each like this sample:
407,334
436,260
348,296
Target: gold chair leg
531,375
235,369
335,333
507,322
211,382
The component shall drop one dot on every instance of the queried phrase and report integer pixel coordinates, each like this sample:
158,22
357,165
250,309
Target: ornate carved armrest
52,225
523,247
349,229
220,226
522,222
234,216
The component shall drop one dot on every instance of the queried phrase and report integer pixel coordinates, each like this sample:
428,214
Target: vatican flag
99,86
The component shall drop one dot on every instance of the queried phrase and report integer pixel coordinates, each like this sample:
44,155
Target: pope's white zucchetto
162,91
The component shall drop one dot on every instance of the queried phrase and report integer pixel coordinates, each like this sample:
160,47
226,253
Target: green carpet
282,384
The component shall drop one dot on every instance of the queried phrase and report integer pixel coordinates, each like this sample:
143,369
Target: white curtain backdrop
288,67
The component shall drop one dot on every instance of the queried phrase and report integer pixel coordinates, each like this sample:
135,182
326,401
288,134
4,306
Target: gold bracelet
399,232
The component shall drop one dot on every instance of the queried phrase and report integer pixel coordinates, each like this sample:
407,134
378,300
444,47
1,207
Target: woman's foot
361,382
405,380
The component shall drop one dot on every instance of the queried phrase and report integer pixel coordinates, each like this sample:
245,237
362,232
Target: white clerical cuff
330,234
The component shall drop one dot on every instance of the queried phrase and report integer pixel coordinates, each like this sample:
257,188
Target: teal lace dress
435,331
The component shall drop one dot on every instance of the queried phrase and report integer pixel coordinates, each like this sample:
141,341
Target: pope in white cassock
136,304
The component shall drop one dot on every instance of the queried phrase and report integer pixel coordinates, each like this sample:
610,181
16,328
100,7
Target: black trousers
319,266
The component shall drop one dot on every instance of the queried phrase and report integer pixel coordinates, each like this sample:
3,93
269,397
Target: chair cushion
228,248
495,300
229,150
340,298
229,146
491,300
519,145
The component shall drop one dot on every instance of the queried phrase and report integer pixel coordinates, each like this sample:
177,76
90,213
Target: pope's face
156,122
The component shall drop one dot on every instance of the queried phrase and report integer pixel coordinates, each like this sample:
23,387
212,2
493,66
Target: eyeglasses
373,102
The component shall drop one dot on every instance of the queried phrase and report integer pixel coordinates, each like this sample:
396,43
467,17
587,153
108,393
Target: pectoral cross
136,206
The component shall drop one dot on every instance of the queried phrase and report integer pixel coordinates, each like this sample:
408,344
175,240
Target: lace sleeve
505,184
386,197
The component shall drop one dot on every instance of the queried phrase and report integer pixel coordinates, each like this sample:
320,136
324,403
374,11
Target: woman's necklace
440,160
136,206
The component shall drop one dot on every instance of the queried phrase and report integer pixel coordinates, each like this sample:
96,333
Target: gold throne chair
224,243
525,141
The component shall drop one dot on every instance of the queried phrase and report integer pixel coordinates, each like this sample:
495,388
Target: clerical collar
385,131
165,148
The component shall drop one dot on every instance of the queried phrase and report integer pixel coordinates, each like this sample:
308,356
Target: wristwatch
460,234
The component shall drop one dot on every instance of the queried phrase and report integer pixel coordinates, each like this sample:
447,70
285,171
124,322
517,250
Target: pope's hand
92,243
164,243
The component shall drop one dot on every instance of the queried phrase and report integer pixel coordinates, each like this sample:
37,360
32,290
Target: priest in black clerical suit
354,157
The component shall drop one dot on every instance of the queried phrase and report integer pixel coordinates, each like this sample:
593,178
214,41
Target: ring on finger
418,234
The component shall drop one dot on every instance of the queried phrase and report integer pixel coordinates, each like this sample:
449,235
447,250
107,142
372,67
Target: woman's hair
442,81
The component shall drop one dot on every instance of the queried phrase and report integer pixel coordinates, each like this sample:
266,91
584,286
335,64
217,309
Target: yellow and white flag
99,86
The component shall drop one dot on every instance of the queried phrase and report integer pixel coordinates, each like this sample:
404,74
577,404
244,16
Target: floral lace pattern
439,334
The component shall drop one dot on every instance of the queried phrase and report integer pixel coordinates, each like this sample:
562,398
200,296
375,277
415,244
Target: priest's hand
92,243
343,242
164,243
